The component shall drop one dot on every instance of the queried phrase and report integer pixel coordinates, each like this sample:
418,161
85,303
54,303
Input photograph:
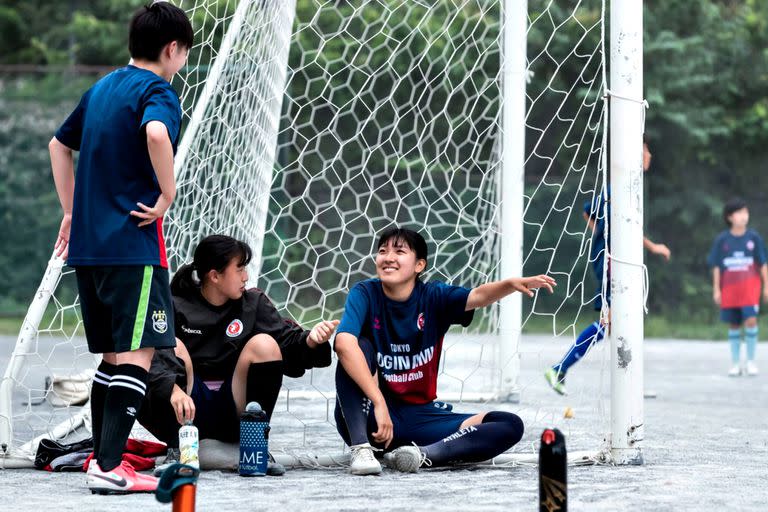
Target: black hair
154,26
733,205
212,253
404,236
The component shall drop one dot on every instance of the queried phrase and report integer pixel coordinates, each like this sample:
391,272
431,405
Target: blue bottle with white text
254,439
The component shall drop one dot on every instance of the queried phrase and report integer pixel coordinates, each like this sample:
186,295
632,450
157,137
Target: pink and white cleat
121,480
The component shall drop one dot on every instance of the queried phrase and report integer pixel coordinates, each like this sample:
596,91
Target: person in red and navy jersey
389,344
739,271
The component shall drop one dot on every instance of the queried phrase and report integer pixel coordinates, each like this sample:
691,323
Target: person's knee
749,323
181,350
141,357
261,348
513,421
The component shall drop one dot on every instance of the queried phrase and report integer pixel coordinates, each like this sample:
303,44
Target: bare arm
63,168
488,293
354,363
161,154
182,403
764,277
660,249
716,284
590,221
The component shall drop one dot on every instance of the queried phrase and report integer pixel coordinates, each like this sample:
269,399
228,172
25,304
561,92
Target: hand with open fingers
526,285
148,214
183,405
62,240
386,431
323,331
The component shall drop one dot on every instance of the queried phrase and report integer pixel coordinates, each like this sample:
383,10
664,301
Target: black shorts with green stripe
126,308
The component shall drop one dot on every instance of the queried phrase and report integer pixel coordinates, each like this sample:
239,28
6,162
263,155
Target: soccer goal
310,126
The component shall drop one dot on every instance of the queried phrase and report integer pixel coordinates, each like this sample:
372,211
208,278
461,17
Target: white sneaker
363,462
406,459
735,371
751,369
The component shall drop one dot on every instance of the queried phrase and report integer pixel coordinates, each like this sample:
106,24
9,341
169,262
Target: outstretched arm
488,293
660,249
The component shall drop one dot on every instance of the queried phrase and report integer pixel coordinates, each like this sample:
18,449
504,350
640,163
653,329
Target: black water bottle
553,465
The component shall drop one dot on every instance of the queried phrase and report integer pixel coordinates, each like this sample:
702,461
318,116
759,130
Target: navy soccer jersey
598,209
114,171
739,259
407,336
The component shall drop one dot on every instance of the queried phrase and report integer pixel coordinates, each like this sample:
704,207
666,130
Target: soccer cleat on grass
735,371
120,480
363,461
406,459
751,369
556,381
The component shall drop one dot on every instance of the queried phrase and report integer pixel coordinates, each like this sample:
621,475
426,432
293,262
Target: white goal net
311,126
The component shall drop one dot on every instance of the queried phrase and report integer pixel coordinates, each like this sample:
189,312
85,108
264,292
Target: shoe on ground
363,461
752,369
274,468
120,480
556,381
735,371
171,458
406,459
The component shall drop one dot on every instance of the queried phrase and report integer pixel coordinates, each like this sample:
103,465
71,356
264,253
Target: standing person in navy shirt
126,128
739,270
389,344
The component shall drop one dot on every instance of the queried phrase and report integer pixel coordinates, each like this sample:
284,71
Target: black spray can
553,465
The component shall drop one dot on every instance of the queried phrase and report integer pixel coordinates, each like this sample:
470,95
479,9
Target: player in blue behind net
595,213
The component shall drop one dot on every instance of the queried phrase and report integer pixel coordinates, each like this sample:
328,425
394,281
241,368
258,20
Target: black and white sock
498,432
101,380
121,406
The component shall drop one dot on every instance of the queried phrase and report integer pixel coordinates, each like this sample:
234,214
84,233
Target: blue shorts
737,316
215,411
422,424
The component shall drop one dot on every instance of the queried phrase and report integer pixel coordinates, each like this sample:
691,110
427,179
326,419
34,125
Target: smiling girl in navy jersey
389,344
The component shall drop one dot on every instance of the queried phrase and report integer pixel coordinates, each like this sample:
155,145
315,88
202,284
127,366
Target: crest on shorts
420,322
235,328
159,321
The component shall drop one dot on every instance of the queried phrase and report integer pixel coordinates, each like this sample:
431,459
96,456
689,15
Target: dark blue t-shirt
114,171
407,336
598,209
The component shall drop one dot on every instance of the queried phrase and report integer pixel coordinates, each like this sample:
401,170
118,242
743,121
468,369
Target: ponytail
214,252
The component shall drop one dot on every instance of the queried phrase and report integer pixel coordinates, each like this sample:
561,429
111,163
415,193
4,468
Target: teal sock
734,337
750,336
